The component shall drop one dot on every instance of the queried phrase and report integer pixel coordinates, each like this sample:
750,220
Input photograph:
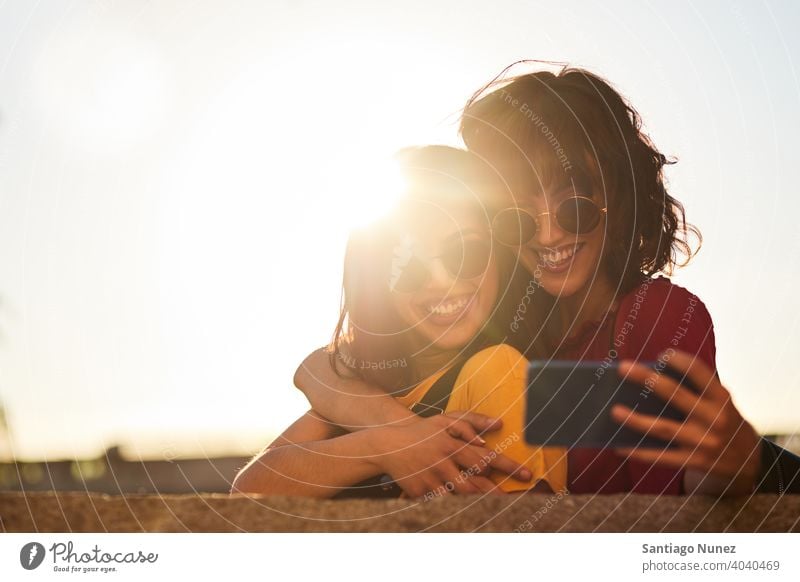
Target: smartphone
569,405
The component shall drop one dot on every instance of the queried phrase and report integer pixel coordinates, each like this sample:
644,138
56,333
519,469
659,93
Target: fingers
669,390
433,483
462,474
479,461
415,487
664,386
465,426
447,479
505,465
480,422
699,373
437,487
462,485
677,458
666,429
463,430
471,459
474,454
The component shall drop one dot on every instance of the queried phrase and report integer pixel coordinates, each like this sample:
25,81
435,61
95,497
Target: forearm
697,482
348,402
746,481
313,469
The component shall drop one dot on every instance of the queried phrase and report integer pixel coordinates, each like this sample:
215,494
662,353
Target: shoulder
497,372
497,361
663,288
658,315
660,298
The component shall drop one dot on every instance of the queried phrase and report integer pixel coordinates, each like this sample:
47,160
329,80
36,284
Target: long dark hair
370,337
549,129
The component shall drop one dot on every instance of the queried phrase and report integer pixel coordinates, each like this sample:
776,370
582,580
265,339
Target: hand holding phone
569,404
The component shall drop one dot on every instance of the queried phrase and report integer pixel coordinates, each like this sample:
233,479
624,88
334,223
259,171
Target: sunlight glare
367,191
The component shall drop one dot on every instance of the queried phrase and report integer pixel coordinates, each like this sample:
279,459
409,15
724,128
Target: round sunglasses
575,215
462,259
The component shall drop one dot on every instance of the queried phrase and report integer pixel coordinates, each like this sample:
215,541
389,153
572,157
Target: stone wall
82,512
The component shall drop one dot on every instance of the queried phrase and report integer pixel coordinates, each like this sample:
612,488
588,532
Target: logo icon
31,555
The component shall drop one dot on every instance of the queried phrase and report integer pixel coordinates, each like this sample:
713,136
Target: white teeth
558,256
448,308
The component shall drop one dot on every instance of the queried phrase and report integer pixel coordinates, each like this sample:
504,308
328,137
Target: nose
548,234
440,277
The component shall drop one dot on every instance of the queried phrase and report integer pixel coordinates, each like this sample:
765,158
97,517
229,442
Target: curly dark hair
542,130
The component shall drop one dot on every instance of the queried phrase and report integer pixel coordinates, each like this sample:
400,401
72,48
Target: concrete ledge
93,512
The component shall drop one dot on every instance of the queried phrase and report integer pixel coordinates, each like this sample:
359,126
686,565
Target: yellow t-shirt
492,382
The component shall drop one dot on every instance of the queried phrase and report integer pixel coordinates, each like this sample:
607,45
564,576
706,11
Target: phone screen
569,405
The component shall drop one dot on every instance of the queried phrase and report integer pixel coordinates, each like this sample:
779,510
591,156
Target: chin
452,339
564,285
566,280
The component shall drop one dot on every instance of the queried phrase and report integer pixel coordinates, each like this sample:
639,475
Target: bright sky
177,180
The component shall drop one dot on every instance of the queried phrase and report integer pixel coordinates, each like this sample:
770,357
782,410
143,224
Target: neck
432,360
589,304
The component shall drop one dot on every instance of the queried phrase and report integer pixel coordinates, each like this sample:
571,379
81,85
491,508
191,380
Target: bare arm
306,460
349,402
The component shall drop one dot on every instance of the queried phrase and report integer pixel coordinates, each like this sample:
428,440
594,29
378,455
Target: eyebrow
575,183
568,190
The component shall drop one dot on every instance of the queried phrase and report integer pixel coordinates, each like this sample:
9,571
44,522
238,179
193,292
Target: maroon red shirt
651,319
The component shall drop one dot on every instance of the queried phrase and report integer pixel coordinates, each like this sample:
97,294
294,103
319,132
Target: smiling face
566,251
444,278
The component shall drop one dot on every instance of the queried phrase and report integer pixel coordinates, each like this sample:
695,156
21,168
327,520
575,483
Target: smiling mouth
444,311
560,258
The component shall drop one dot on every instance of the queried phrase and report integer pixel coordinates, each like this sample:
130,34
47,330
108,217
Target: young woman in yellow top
425,289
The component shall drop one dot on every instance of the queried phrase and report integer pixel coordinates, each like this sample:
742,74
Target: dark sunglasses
462,259
517,226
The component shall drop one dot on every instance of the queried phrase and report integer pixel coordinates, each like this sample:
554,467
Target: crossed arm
351,403
719,449
358,406
285,467
313,458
